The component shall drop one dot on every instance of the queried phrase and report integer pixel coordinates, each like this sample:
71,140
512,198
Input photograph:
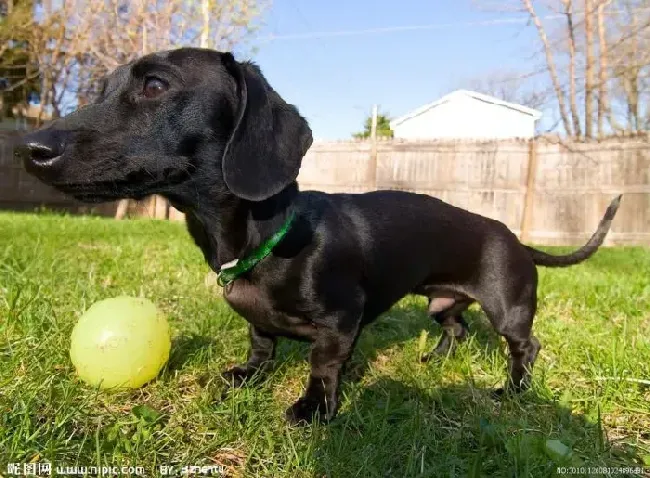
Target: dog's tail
585,252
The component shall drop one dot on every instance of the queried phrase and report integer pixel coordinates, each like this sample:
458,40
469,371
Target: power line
431,26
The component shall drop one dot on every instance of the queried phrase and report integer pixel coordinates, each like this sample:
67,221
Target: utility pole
373,147
373,124
205,30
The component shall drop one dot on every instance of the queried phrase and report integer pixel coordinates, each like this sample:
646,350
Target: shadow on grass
395,329
185,348
391,428
403,325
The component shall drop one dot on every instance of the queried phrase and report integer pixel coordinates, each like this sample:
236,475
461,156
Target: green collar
230,271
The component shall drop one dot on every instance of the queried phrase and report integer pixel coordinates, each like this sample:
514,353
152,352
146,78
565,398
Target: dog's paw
307,411
428,357
436,355
498,394
504,393
237,376
442,351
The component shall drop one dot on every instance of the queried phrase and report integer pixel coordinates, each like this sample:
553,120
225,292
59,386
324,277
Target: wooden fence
547,191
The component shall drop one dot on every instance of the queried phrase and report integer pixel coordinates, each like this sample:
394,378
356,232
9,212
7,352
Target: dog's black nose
41,148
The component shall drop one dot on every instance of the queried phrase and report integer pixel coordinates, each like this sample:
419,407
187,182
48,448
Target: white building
467,115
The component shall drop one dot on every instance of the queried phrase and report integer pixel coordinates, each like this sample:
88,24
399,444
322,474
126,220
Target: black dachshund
211,135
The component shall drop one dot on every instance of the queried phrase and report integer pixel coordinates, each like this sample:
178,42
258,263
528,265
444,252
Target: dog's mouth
98,192
134,186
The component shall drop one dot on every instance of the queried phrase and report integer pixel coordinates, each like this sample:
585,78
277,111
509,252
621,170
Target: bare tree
604,108
550,62
629,45
511,87
589,69
596,61
75,41
575,115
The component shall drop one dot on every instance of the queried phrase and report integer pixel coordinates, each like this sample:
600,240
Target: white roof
472,94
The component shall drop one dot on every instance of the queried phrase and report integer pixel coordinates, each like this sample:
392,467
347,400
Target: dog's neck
226,227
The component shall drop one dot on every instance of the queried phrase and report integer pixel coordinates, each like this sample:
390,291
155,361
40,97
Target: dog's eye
153,87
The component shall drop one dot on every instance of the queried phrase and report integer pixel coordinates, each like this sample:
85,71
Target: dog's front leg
329,352
259,358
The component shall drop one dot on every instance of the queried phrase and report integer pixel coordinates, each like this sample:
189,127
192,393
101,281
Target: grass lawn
399,418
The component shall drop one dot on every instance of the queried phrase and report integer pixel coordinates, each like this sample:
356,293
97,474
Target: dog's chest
255,305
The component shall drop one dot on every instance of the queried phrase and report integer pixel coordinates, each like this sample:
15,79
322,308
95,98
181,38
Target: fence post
122,209
373,148
161,208
529,198
175,214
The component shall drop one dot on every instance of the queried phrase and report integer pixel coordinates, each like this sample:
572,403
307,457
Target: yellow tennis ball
121,342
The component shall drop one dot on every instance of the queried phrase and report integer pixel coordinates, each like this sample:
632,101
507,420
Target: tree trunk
575,115
633,96
551,67
589,70
45,98
604,108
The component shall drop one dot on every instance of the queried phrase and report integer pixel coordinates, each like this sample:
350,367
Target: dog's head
182,116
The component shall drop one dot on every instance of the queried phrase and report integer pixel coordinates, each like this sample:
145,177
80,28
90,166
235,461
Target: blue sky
335,80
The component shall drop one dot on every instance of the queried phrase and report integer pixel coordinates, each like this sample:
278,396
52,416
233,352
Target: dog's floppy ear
269,139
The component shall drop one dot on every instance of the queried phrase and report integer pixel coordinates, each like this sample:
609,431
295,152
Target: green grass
399,418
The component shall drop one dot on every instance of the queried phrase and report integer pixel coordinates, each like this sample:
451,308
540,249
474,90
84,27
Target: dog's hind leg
447,312
514,321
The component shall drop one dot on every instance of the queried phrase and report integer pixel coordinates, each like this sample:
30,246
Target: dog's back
409,240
